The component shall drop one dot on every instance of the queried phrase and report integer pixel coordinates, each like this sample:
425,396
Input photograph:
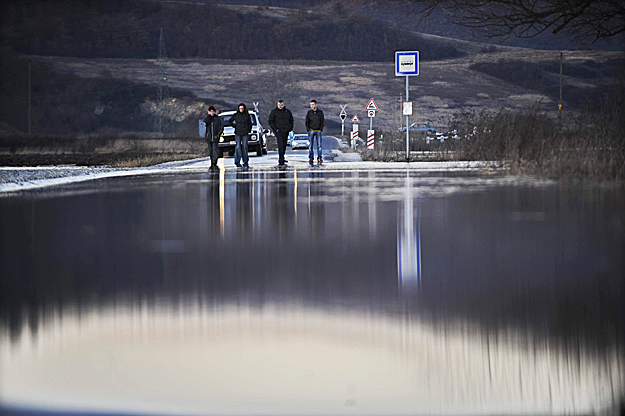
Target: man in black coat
242,123
214,128
281,122
314,126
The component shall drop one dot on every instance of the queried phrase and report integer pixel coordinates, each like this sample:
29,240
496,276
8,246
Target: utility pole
162,123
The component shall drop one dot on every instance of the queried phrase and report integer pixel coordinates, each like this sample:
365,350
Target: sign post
371,108
354,120
370,137
407,64
343,116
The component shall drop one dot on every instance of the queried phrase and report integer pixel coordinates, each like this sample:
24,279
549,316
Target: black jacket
242,123
214,127
314,120
281,120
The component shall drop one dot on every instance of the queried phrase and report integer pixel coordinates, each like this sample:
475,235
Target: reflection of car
300,141
258,137
426,128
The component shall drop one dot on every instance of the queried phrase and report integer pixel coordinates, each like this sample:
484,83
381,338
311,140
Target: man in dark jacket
281,122
242,123
314,126
214,128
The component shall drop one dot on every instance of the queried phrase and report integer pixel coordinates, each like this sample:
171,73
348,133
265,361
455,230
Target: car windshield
300,137
226,117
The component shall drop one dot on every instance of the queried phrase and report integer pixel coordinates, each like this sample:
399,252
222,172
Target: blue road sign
406,63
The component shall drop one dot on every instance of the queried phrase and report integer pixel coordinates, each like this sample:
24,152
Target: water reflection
268,292
409,241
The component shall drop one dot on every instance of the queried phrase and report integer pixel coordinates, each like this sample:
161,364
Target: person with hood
281,122
214,128
314,126
242,123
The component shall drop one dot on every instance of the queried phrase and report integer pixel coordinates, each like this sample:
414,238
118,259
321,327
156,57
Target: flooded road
313,292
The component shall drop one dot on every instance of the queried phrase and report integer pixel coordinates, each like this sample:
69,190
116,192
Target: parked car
426,128
258,137
300,141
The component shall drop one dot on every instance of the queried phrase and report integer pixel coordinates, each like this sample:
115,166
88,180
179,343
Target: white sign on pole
407,108
371,113
355,119
354,135
406,63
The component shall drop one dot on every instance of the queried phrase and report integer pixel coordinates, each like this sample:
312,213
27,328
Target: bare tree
576,19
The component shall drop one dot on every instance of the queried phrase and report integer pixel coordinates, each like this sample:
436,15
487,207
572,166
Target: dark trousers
281,138
213,150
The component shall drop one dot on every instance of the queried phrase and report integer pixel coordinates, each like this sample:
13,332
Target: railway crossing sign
355,119
343,116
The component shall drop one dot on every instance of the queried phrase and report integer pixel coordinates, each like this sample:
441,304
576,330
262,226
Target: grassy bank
582,146
123,150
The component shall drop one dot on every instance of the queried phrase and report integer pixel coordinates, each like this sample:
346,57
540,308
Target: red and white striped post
370,137
354,135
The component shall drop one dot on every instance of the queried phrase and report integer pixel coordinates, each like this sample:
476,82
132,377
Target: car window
225,118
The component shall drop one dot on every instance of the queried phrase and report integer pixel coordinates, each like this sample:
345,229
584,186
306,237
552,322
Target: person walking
242,123
214,128
281,122
314,126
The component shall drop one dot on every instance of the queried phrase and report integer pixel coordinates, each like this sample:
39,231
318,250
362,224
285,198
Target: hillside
442,90
122,29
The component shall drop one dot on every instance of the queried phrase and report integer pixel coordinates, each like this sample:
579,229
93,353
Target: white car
300,141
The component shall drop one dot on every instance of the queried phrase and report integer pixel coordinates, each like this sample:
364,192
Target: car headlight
221,138
254,137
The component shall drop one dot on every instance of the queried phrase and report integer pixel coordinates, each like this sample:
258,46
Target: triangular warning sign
355,119
371,105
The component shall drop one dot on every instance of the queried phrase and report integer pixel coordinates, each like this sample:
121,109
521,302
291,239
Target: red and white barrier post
370,137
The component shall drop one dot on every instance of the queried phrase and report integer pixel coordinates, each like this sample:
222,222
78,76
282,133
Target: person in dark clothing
281,122
214,128
242,123
314,126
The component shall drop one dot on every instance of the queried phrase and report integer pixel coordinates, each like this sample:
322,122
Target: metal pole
343,128
29,99
370,123
560,106
407,121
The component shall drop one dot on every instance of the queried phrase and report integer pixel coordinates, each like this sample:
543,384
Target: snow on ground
16,179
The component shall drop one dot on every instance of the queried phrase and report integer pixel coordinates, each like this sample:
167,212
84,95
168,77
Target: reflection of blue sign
406,63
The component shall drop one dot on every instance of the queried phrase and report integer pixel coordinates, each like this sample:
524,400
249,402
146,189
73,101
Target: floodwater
320,292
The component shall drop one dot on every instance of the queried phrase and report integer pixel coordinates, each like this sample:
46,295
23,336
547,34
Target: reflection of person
281,122
314,126
214,128
242,123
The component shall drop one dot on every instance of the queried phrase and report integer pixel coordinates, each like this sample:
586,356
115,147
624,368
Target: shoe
246,166
214,167
311,162
319,161
238,165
